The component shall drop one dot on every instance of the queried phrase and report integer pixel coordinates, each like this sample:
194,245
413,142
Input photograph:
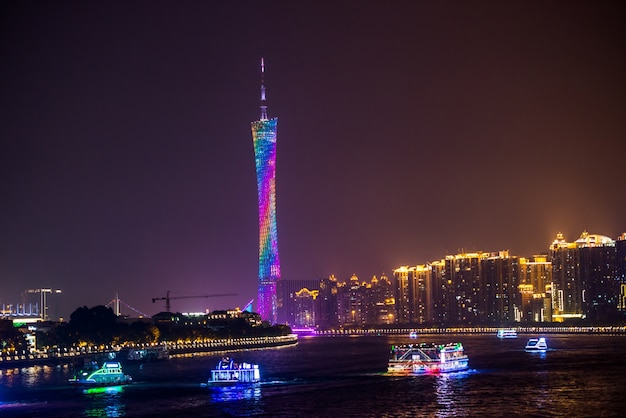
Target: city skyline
407,132
30,307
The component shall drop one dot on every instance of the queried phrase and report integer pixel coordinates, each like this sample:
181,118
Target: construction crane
167,298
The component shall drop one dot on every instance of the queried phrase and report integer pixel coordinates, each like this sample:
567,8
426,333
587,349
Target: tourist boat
228,372
507,333
537,344
110,374
426,358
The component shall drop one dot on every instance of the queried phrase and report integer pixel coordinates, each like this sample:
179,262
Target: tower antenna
263,100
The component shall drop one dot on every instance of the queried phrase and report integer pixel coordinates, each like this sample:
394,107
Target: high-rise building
464,272
567,287
351,302
289,294
402,278
442,295
413,294
597,272
620,272
585,284
264,138
499,294
327,316
380,301
536,289
304,312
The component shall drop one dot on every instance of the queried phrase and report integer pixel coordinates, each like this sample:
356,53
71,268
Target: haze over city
406,131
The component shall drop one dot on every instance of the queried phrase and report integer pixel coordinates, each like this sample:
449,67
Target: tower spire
263,100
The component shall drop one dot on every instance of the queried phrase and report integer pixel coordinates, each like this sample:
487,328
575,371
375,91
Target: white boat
413,334
426,358
228,372
110,374
507,333
537,344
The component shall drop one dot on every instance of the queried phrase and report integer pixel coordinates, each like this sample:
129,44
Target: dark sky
407,130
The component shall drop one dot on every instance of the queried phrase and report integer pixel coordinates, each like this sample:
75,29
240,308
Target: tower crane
167,298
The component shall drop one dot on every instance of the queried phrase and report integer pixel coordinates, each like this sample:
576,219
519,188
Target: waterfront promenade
78,354
604,330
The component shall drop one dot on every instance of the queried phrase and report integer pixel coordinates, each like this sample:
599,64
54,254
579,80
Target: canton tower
264,138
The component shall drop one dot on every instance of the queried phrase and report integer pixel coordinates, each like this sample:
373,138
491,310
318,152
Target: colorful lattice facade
264,138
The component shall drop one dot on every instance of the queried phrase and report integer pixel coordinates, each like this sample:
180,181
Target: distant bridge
117,302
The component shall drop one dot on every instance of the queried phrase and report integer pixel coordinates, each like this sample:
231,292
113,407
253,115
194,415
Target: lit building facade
264,139
441,293
597,270
464,271
413,294
585,283
351,302
289,300
499,299
620,272
380,302
305,312
536,289
402,278
327,316
566,286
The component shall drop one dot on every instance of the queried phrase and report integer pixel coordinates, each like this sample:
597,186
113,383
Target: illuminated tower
264,137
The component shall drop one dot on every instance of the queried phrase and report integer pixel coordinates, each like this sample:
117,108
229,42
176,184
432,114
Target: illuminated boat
228,372
413,334
110,374
426,358
537,344
507,333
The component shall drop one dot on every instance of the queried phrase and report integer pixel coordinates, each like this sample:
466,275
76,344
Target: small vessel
426,358
507,333
537,344
148,354
228,372
110,374
413,334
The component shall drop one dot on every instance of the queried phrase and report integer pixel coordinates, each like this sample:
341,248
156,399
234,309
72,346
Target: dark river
580,376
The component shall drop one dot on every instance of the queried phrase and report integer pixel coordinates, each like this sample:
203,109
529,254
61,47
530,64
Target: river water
580,376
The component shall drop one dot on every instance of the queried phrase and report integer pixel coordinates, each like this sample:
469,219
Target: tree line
98,325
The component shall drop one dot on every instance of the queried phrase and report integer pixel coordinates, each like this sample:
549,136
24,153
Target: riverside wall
605,330
80,354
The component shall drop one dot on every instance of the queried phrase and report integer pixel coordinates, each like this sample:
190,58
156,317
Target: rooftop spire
263,101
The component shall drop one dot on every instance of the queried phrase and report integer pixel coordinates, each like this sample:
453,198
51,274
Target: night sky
407,130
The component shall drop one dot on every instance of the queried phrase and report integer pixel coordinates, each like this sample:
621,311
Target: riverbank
232,344
608,330
79,354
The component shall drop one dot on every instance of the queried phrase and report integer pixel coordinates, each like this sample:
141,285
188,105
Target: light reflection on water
32,376
449,391
236,393
333,377
540,354
105,402
238,400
